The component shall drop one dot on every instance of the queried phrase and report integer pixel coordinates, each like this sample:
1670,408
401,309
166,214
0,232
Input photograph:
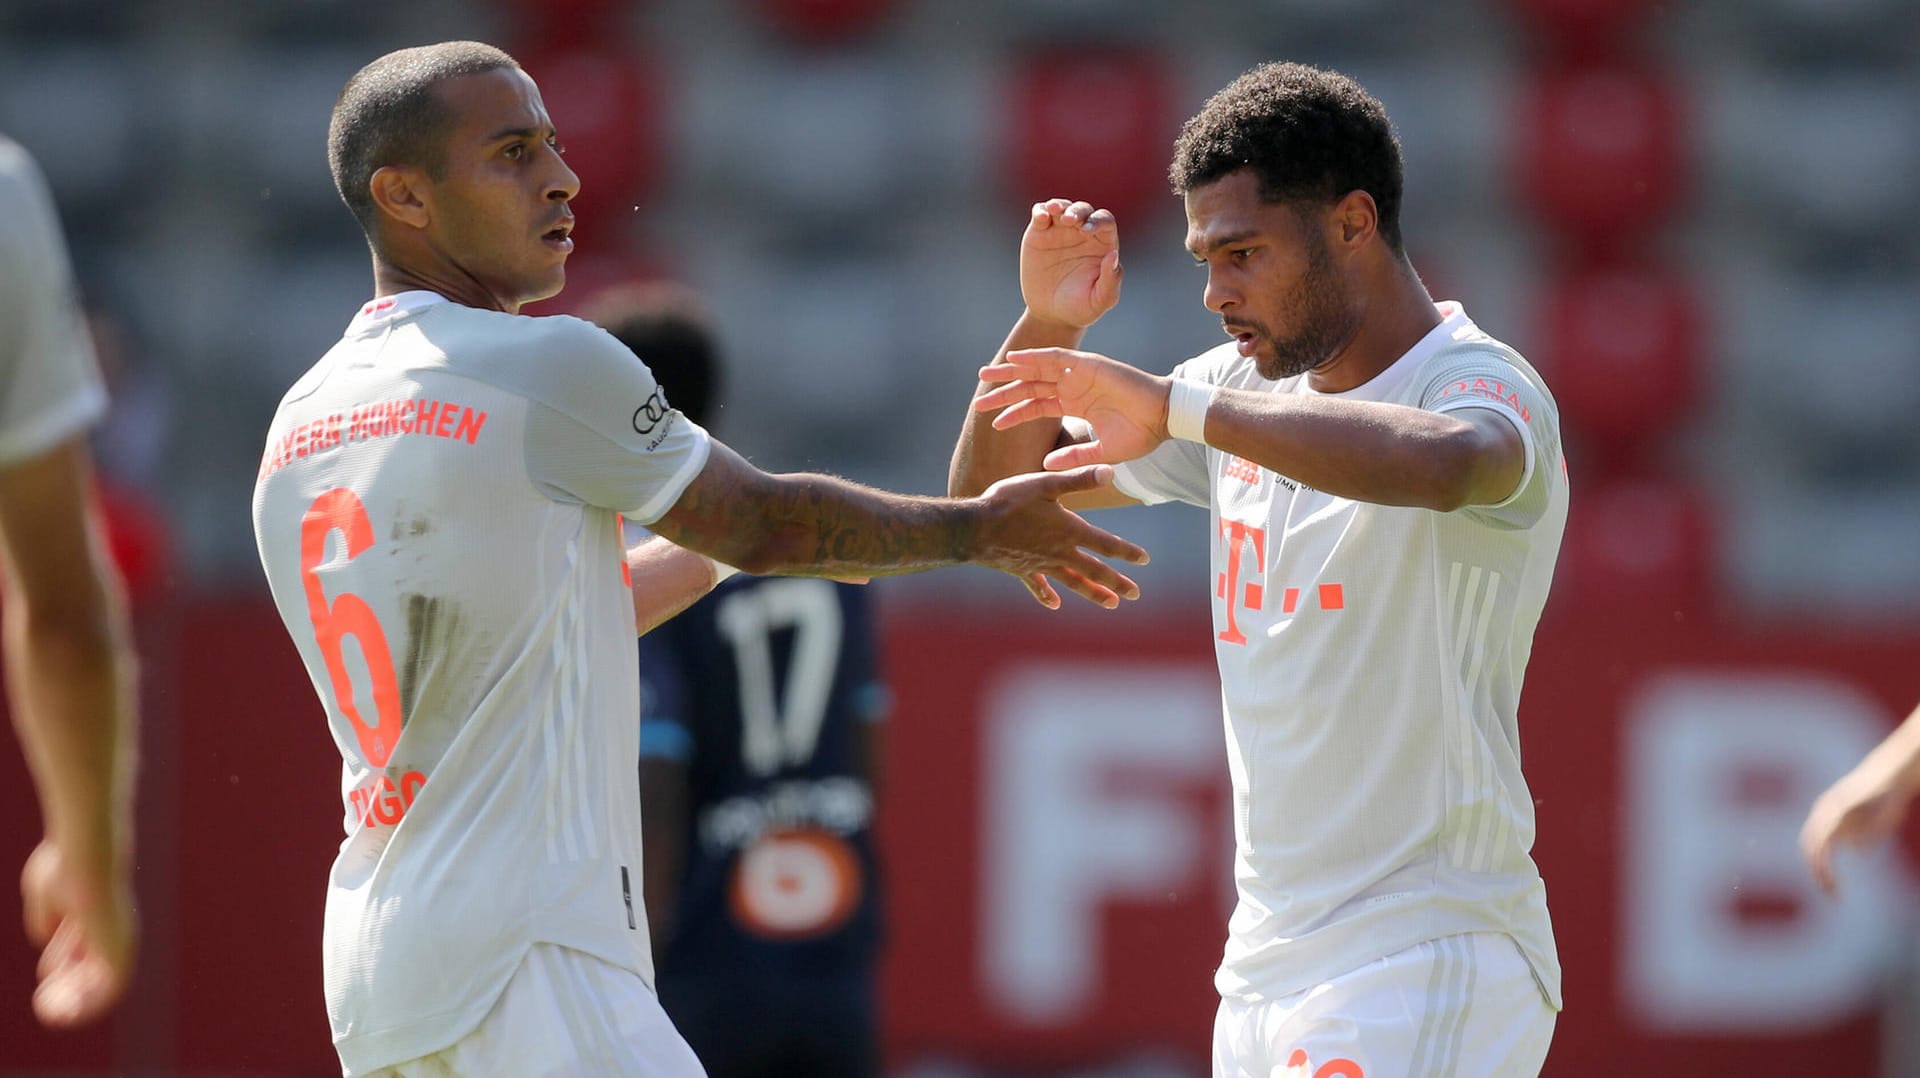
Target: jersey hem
363,1054
670,491
1274,973
1526,440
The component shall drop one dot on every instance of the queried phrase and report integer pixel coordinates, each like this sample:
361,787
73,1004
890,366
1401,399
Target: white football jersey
1370,664
50,386
437,511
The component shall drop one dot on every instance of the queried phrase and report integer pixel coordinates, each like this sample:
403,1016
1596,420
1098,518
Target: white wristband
1187,404
721,570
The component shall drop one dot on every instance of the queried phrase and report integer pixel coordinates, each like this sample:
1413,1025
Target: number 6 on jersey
340,510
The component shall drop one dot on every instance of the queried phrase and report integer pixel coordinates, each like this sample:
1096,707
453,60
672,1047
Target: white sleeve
1176,471
50,387
602,433
1486,380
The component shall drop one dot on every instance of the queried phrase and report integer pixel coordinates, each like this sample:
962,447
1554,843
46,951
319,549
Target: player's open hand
1029,534
1855,811
1126,407
1070,262
81,918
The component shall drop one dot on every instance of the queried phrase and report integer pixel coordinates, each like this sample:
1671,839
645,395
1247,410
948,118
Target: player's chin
544,284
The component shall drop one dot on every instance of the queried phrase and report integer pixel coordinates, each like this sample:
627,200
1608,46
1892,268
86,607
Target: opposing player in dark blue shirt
760,713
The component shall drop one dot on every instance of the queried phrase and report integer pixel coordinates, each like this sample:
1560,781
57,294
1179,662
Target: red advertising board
1056,841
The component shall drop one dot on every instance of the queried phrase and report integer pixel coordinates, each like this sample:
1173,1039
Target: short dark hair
668,327
389,114
1309,134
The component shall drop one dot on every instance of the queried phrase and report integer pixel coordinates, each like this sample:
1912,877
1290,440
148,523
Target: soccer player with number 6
438,515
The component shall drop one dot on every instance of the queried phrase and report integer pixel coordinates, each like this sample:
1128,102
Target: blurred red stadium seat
1602,151
608,106
1641,542
1622,347
1093,126
546,25
1583,27
823,22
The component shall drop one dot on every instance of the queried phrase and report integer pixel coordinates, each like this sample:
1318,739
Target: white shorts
1459,1005
565,1014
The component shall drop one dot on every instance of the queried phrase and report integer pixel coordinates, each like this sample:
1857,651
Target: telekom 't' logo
1229,587
1252,595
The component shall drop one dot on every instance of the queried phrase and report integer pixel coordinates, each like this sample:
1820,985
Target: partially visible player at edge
1866,805
437,515
1387,497
69,652
760,705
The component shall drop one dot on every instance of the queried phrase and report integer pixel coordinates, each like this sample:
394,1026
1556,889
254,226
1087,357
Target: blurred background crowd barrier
1697,217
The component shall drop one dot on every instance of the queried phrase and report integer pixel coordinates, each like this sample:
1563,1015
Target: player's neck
1399,313
392,276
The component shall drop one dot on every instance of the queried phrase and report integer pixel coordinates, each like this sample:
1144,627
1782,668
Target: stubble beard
1327,322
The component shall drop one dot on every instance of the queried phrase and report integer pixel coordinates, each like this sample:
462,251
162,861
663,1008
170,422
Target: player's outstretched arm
1865,805
816,525
1069,276
666,580
70,671
1389,454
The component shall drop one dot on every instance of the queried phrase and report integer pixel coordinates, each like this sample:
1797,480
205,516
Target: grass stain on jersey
411,529
432,625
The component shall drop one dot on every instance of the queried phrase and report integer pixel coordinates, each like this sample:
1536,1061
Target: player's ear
402,195
1355,218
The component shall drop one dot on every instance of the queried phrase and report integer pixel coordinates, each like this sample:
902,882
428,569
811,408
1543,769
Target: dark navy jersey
765,690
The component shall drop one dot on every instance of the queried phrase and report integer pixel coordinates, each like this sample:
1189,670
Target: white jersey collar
387,308
1454,324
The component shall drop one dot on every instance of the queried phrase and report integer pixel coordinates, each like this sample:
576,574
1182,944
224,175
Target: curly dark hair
388,114
1311,135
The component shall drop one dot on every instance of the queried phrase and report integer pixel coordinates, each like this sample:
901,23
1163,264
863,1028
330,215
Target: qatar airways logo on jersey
1494,391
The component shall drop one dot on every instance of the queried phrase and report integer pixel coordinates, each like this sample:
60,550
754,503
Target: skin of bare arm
1866,805
1070,275
816,525
71,676
666,580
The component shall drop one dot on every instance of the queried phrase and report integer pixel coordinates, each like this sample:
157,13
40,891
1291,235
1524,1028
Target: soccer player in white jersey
1387,499
438,515
69,653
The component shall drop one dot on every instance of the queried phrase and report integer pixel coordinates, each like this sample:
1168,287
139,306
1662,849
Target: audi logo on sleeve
652,413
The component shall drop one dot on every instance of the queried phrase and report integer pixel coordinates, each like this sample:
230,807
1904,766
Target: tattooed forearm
814,524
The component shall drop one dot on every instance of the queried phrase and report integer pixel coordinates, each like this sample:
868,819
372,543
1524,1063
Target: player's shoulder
1474,363
484,335
558,360
1468,346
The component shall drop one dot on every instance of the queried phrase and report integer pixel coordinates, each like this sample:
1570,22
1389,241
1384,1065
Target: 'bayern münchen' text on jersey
437,513
1370,661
